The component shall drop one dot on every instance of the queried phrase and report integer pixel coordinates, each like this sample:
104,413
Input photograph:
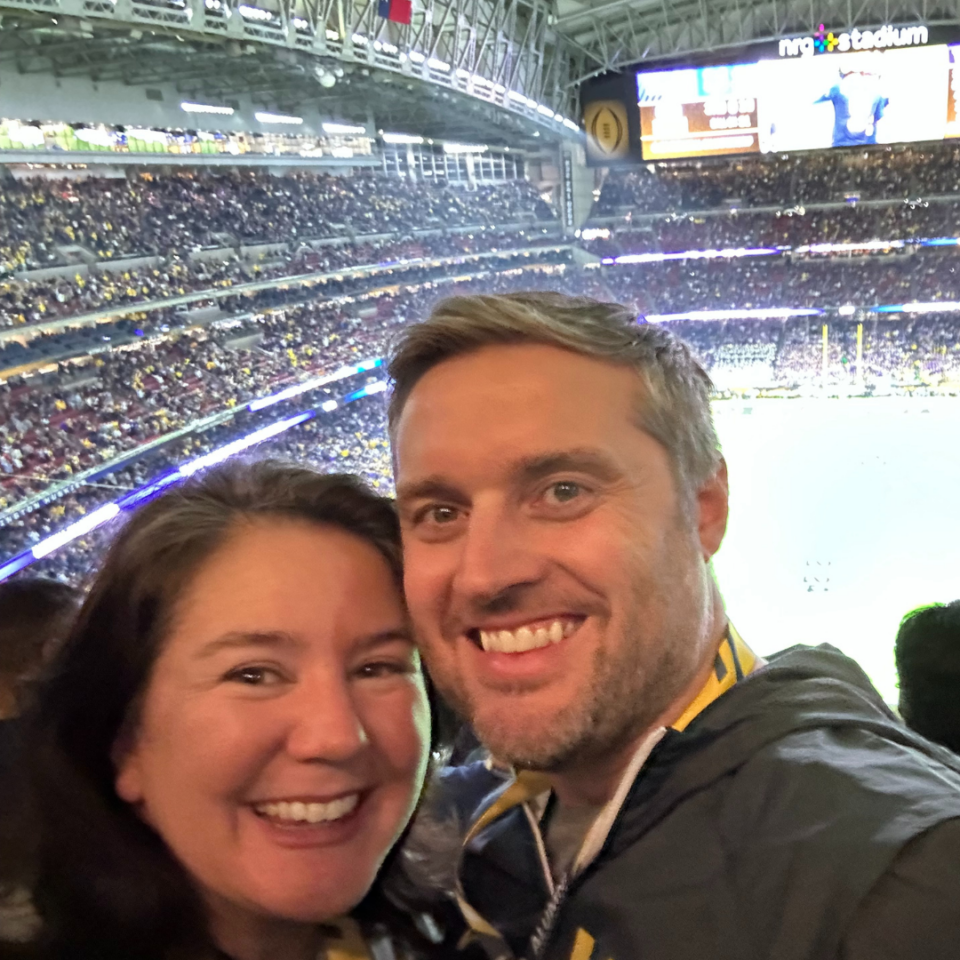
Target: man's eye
439,514
563,491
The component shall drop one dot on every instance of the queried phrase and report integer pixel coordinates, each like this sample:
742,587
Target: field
844,515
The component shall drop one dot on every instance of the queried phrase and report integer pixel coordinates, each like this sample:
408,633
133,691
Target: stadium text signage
879,39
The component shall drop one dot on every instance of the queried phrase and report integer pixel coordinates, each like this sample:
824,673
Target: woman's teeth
526,638
297,812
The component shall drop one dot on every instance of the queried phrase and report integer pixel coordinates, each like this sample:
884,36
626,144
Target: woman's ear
125,755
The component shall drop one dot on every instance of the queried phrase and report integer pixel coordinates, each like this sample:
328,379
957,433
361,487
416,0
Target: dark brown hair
35,613
105,884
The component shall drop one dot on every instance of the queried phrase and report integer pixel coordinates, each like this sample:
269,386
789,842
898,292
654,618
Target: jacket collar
530,790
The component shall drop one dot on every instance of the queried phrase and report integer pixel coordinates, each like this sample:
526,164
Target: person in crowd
237,731
35,615
927,652
561,494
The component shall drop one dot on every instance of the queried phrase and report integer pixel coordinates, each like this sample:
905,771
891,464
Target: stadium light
344,128
371,363
400,138
110,510
440,65
189,107
464,148
230,449
90,522
278,118
727,254
255,13
772,313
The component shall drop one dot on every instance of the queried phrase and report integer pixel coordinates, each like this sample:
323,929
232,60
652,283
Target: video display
839,99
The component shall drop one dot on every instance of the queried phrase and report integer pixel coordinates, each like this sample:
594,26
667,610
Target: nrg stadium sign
879,39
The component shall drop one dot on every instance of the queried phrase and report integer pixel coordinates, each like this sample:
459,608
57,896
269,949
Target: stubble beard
634,678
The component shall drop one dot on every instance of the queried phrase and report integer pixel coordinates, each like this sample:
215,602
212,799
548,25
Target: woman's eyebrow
381,638
246,638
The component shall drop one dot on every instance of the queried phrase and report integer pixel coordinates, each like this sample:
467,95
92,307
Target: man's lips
523,636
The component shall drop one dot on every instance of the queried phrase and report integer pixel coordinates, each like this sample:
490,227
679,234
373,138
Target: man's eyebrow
579,460
237,639
430,488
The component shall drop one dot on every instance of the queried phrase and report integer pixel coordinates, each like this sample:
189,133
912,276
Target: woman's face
284,732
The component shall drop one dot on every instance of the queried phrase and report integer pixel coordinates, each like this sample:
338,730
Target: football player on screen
858,104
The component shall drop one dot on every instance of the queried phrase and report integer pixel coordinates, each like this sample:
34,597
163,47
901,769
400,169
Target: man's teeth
297,812
524,638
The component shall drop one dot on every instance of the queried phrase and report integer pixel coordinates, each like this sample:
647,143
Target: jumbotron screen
834,94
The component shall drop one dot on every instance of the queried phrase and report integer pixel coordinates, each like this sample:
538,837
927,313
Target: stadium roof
474,70
494,71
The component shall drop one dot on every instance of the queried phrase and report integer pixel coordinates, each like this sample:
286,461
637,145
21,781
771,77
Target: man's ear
712,509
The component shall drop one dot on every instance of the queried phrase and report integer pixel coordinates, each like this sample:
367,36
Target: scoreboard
850,89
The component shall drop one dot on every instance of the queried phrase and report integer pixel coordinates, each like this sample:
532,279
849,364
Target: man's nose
498,554
323,723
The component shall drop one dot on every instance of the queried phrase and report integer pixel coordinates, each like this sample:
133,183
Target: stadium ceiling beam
502,52
612,34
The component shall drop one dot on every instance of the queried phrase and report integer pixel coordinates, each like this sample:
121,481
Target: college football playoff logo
608,132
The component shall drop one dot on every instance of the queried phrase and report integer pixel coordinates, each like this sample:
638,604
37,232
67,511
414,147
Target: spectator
927,651
35,615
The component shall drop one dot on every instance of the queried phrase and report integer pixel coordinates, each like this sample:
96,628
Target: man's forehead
516,387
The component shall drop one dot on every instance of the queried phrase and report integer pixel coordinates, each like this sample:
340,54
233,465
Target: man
927,651
561,494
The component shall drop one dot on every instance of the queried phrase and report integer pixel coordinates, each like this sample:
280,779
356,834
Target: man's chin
527,742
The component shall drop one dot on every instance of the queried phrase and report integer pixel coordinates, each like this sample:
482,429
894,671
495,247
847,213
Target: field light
278,118
189,107
464,148
343,128
401,138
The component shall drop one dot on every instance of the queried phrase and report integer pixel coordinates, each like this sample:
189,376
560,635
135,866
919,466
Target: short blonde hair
675,389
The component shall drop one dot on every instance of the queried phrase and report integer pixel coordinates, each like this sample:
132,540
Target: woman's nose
323,722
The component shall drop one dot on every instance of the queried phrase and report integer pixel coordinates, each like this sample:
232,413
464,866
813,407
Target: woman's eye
253,676
384,668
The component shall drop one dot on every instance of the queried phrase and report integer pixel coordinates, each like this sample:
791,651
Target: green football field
844,514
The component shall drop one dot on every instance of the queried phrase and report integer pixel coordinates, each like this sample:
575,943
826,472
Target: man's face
560,593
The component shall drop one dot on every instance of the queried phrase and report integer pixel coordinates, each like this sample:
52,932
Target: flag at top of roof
399,11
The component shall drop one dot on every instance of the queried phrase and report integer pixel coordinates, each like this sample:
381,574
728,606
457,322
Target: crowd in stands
158,214
93,413
69,340
202,375
679,286
892,173
789,228
24,301
158,371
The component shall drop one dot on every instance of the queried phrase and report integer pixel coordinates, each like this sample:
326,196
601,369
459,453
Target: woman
237,731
